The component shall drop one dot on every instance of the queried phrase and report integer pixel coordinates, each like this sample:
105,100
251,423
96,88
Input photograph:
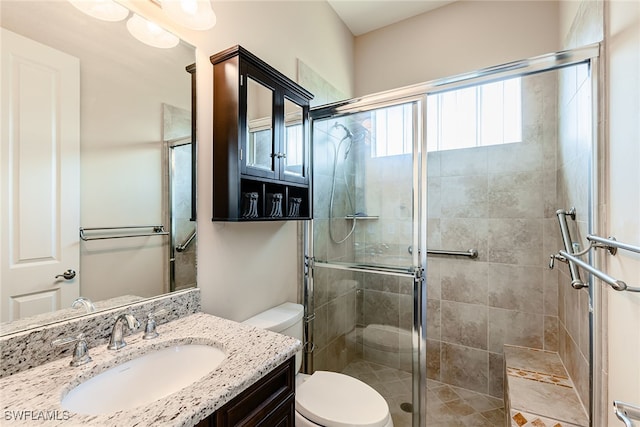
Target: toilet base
304,422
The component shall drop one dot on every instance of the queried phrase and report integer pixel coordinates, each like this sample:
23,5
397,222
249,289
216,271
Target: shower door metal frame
168,157
416,271
418,93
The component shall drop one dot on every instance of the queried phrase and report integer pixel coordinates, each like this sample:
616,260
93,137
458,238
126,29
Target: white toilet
325,398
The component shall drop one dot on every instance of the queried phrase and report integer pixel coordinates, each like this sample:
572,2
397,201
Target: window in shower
491,113
392,130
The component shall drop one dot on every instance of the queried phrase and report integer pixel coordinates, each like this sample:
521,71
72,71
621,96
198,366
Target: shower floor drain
406,407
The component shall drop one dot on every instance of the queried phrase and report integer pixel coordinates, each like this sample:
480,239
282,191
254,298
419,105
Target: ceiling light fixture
106,10
150,33
192,14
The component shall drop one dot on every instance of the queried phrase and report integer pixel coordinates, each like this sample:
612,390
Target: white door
39,177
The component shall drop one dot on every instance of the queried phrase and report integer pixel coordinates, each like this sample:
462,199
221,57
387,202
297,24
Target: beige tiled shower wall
500,200
573,177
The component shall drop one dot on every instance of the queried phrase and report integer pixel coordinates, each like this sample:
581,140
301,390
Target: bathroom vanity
254,383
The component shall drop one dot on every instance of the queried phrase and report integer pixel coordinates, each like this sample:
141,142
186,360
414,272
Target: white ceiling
362,16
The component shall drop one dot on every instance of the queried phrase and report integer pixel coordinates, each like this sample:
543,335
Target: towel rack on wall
184,245
626,412
157,230
471,253
610,244
595,242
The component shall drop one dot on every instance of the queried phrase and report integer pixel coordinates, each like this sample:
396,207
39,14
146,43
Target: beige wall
121,118
246,268
463,36
622,198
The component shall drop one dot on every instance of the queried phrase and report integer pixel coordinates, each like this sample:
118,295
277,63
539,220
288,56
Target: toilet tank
285,319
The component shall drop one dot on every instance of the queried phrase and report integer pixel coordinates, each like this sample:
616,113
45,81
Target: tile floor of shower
447,406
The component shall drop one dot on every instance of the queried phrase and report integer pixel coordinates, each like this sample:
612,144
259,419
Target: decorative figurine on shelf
250,205
294,206
274,202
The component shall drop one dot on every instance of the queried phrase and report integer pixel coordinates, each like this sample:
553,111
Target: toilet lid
338,400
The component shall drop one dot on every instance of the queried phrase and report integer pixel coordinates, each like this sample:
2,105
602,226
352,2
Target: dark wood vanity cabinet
270,402
261,156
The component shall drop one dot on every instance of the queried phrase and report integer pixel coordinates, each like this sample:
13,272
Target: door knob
67,275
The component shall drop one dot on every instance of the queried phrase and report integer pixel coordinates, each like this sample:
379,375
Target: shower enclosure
178,197
434,215
182,250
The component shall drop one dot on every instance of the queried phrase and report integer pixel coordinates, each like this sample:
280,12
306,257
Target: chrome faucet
85,302
117,340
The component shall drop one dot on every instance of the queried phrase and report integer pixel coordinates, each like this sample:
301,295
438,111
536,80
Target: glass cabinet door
294,152
259,146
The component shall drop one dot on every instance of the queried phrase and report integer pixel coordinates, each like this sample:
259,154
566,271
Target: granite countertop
68,313
34,395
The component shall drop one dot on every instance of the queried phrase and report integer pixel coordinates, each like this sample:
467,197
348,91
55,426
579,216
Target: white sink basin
143,380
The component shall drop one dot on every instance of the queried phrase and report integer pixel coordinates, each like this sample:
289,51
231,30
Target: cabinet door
293,153
260,136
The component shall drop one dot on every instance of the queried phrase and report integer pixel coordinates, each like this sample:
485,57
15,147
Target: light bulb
105,10
192,14
150,33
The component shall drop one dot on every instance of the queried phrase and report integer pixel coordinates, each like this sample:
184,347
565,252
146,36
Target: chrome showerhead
347,132
359,134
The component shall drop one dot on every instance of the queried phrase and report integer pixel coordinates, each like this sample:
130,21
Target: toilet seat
338,400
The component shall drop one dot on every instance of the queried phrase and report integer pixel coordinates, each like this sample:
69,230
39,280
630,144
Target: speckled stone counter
538,391
65,314
250,354
32,347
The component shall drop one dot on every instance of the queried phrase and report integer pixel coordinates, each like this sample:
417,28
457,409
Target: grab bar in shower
158,230
618,285
471,253
576,281
184,245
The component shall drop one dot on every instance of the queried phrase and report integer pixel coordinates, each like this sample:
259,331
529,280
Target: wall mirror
134,158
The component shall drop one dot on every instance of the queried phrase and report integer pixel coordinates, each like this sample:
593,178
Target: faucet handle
80,352
150,328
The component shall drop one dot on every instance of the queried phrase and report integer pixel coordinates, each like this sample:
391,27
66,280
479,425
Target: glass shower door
366,278
183,228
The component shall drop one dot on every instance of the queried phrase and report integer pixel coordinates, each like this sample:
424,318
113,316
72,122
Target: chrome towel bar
595,242
626,412
471,253
618,285
158,230
611,244
184,245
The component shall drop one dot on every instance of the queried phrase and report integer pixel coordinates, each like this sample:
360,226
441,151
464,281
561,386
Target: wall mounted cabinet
261,156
